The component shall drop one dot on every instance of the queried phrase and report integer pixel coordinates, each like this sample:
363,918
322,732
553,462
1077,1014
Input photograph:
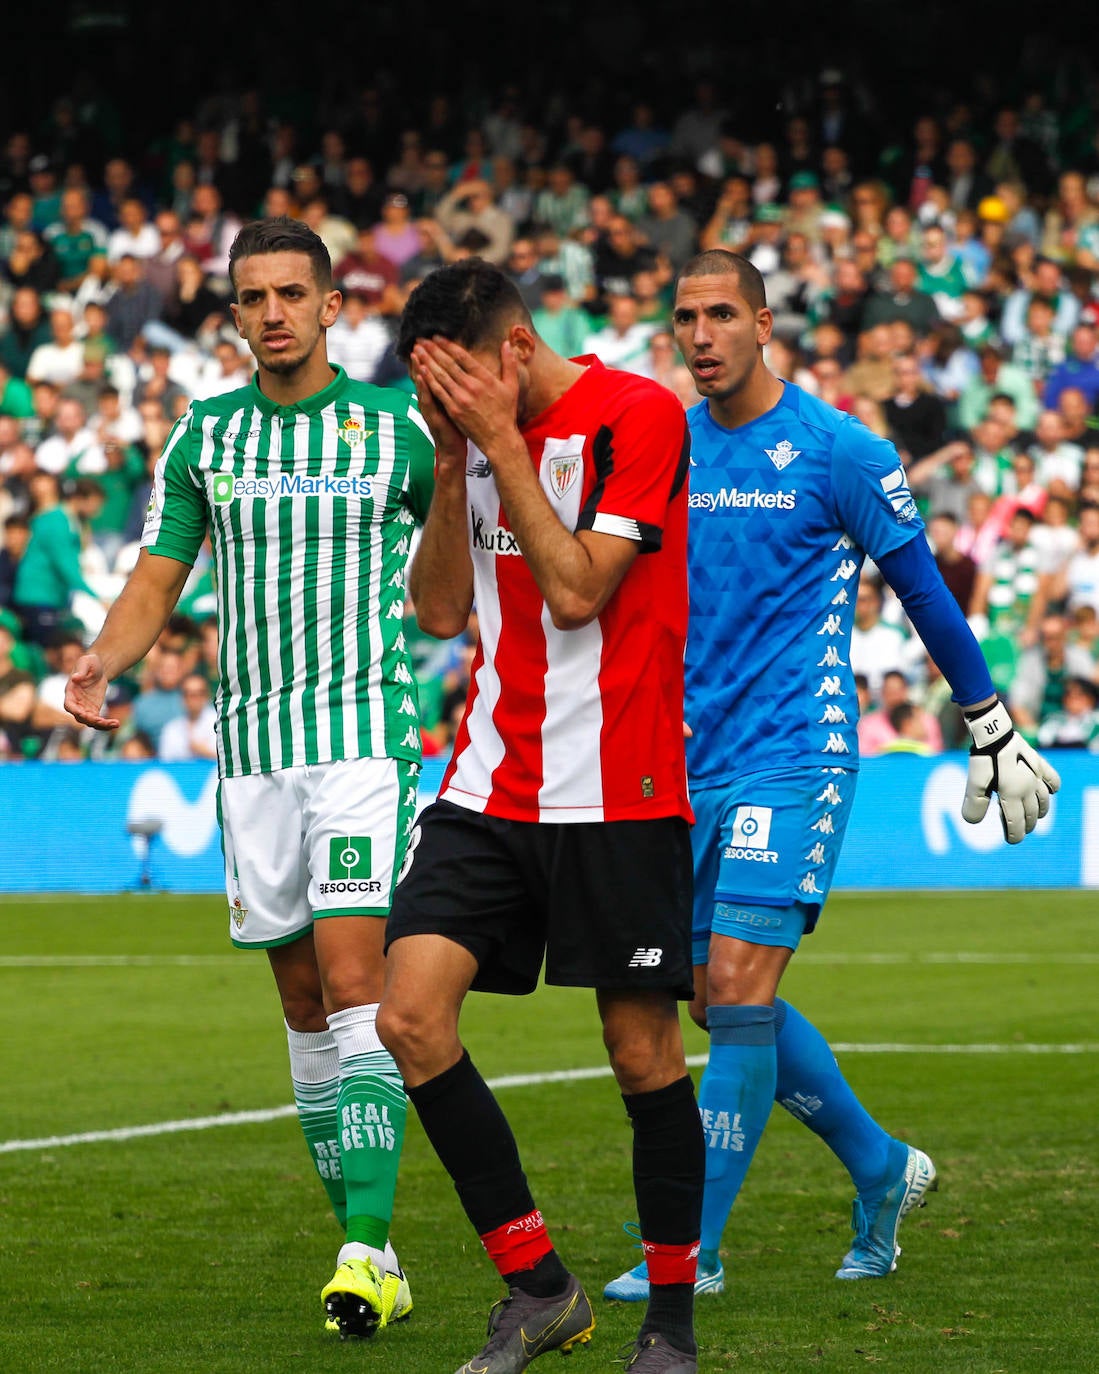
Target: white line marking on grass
515,1080
804,957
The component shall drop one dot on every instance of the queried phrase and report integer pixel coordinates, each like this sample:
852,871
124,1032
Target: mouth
278,340
705,367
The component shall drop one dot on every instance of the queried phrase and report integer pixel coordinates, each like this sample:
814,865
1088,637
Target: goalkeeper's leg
812,1088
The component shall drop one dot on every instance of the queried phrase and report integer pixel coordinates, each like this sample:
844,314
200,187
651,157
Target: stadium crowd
942,285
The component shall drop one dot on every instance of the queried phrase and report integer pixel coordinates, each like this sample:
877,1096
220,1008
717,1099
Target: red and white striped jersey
583,725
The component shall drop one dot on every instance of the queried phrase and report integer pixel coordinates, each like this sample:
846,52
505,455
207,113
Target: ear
522,343
331,308
235,309
765,323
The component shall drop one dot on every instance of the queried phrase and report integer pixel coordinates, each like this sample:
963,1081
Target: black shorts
607,903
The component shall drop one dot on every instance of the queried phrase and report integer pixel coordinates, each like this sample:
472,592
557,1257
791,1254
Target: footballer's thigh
765,851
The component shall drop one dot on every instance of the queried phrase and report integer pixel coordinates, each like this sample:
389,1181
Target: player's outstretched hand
85,692
1001,761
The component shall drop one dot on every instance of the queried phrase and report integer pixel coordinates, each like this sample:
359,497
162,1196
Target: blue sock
811,1087
735,1099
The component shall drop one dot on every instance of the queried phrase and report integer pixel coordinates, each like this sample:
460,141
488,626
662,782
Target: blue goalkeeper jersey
783,512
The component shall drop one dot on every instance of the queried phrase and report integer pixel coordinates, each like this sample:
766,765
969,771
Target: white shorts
322,839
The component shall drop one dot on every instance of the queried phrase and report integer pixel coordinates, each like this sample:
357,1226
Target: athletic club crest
563,473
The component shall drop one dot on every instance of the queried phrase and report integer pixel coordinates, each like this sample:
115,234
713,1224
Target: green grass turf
206,1250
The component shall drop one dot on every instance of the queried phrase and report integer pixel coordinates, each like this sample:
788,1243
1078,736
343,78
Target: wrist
989,725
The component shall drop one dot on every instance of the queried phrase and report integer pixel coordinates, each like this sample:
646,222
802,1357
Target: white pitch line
804,957
515,1080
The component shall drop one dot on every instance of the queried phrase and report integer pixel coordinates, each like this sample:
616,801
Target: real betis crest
353,433
563,473
782,454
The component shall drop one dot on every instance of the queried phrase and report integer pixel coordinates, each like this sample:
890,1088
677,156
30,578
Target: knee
418,1039
304,1009
644,1063
697,1010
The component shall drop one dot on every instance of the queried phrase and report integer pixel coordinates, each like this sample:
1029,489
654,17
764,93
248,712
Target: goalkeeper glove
1001,761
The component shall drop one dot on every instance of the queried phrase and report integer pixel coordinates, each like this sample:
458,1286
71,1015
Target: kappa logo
783,454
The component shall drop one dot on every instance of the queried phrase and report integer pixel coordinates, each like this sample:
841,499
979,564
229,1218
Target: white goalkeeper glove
1001,761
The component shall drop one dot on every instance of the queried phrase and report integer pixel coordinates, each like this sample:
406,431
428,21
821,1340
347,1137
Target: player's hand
87,687
479,402
1001,761
450,443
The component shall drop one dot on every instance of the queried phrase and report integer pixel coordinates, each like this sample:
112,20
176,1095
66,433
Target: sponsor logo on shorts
751,833
755,919
349,867
646,958
349,857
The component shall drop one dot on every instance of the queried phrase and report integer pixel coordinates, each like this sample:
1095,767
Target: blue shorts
770,841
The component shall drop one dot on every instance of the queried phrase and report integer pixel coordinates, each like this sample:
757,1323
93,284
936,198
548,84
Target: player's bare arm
440,579
577,573
129,632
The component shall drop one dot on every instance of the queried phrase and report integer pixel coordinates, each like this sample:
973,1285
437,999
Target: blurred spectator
966,184
161,698
50,572
1041,671
1013,156
190,735
667,227
359,342
13,545
525,270
876,647
901,299
1007,580
133,303
666,367
209,232
620,256
997,377
191,313
395,236
573,261
1076,724
1046,281
561,323
160,266
623,342
27,327
1080,369
958,570
912,727
1055,537
61,357
72,439
1077,583
915,414
135,234
155,383
225,370
365,271
16,691
471,204
18,213
564,201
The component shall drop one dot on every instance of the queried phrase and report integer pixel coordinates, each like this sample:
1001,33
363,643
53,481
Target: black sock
669,1170
476,1147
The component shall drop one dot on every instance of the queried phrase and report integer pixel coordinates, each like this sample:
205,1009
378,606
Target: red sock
671,1263
518,1244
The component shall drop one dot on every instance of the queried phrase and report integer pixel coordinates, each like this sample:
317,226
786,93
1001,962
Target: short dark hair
470,303
717,262
281,234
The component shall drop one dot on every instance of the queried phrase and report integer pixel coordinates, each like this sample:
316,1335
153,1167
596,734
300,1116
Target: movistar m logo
228,487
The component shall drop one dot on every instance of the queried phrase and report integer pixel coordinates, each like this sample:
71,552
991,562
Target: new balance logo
480,467
646,958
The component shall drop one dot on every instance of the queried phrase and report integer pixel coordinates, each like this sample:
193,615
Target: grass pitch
965,1022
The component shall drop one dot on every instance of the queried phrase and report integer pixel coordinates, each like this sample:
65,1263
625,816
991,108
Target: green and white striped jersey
310,509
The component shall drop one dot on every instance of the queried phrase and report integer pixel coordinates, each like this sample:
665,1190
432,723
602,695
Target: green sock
314,1074
370,1115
